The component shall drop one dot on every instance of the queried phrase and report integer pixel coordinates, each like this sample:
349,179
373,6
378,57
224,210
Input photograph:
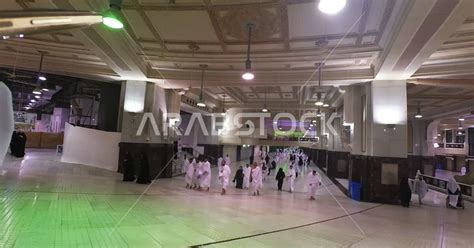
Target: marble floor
46,203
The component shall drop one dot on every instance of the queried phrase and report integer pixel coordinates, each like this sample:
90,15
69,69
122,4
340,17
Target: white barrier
91,147
6,120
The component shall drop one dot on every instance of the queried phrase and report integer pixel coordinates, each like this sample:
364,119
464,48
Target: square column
146,114
379,156
389,119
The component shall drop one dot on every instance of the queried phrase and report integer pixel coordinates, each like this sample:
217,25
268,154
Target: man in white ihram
256,179
291,178
247,171
6,120
313,181
227,159
224,177
189,174
206,176
219,163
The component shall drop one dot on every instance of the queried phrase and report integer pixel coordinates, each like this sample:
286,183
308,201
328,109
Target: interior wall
109,107
59,119
43,125
245,153
230,150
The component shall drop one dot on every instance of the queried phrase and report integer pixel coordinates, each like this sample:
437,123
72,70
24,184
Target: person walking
280,177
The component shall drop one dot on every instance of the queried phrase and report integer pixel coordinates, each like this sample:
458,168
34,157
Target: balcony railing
441,185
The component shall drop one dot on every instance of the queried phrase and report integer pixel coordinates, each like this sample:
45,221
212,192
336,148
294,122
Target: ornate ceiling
165,41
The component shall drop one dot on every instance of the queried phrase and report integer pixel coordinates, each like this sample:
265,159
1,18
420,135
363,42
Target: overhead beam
446,97
446,83
269,78
418,34
451,111
274,106
445,70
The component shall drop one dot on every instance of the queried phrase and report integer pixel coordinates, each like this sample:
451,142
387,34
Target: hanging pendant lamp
248,74
418,114
223,109
41,76
264,109
201,102
319,101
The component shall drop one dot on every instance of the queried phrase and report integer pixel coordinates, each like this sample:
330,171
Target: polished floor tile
46,203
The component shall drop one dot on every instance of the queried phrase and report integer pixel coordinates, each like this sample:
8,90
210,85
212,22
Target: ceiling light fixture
461,119
37,96
201,102
112,17
331,6
248,74
32,100
37,91
325,105
418,114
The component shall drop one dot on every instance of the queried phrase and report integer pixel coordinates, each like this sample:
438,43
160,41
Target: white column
389,119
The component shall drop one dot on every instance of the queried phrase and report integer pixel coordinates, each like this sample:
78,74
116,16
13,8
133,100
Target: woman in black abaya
280,177
128,168
405,192
144,175
239,178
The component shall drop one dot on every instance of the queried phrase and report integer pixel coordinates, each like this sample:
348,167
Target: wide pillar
148,118
379,142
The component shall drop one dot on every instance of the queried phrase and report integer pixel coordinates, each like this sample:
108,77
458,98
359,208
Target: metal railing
441,185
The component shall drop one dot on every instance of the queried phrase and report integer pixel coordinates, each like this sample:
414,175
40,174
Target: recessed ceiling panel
137,24
193,25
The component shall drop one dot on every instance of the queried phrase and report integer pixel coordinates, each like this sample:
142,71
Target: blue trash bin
355,190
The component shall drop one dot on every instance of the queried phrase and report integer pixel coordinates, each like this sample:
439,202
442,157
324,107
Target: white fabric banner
91,147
